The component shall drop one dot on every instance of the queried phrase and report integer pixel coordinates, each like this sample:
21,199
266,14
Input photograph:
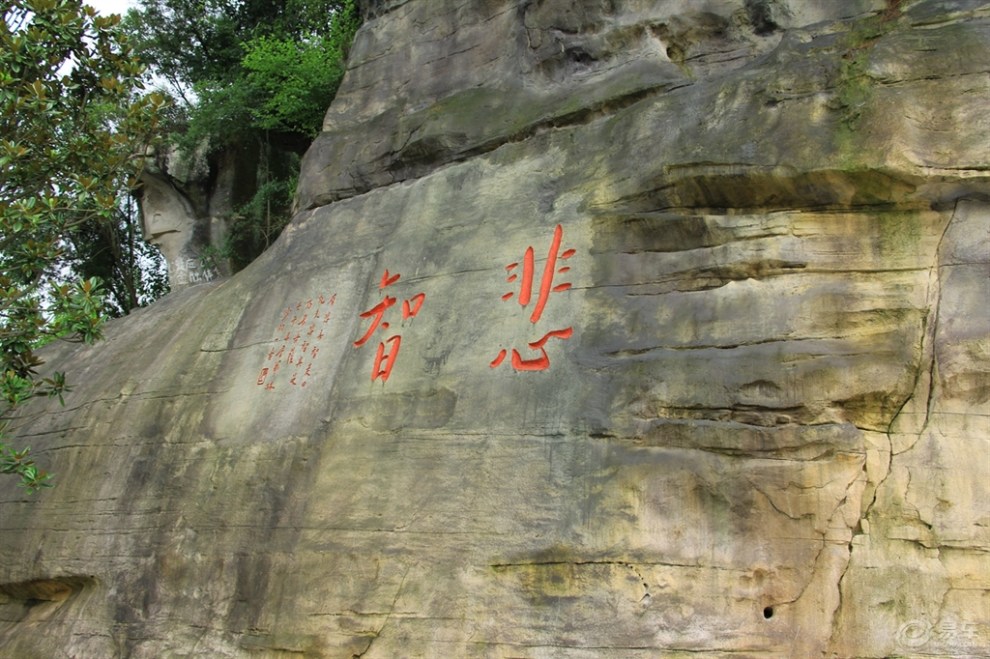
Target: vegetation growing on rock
252,78
73,123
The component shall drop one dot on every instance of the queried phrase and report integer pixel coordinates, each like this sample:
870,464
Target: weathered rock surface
744,409
185,202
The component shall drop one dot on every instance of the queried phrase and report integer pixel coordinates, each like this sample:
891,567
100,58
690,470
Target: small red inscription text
300,329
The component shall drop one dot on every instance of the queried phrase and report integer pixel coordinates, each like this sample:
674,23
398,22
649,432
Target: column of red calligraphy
301,327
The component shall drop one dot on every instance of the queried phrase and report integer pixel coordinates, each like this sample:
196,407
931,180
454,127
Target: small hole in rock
768,612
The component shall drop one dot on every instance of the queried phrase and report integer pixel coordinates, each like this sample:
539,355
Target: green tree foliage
132,271
73,132
292,82
192,41
245,72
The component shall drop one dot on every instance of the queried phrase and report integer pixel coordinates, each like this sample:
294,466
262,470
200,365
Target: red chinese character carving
292,328
410,311
388,350
387,280
378,312
385,361
540,363
546,282
526,294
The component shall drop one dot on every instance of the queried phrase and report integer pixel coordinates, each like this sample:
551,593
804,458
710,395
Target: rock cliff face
187,200
608,328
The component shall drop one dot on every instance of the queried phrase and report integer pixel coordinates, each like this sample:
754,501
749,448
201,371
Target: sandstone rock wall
184,200
188,201
606,329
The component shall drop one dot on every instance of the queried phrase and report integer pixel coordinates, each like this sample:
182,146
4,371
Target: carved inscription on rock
524,277
388,348
300,332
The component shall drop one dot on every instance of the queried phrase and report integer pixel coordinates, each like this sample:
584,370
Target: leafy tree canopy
73,133
243,67
253,76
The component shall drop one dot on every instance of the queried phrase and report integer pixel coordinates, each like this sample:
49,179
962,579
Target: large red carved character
525,297
388,350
